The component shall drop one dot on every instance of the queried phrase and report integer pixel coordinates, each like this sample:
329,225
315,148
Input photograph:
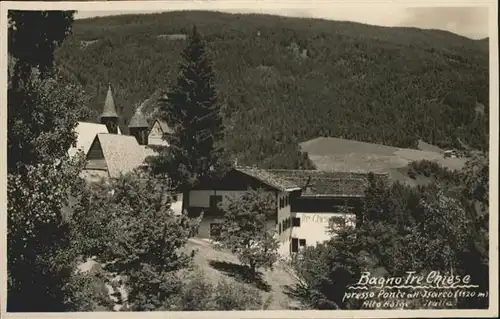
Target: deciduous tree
145,240
42,115
245,229
40,257
404,229
33,37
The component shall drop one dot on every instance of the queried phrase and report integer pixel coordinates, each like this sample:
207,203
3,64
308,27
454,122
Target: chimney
307,188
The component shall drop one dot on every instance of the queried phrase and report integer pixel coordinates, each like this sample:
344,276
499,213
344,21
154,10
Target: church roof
85,134
138,119
109,109
122,153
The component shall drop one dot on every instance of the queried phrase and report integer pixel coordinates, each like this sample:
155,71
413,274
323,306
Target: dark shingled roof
324,183
268,178
138,119
109,109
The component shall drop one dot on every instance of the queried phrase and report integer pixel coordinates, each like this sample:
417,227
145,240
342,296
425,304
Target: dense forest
285,80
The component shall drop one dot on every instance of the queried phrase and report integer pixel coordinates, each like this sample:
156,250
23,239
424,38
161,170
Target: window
296,222
215,229
174,198
302,242
286,201
281,202
295,245
279,228
112,127
214,201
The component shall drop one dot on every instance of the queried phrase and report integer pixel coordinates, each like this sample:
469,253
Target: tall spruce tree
195,153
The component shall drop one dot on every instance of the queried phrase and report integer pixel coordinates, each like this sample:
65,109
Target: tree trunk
185,202
252,271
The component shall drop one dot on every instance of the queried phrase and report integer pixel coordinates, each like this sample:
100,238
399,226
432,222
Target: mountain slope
287,80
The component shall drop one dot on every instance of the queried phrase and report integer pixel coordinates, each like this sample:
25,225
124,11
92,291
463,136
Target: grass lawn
219,264
336,154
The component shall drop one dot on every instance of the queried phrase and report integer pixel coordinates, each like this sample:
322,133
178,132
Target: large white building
308,202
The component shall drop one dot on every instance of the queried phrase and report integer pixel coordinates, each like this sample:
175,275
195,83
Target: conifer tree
195,151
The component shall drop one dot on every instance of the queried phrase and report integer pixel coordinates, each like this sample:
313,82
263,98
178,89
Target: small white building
157,133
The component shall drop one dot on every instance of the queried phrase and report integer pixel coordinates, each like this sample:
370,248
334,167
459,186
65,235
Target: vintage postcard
208,159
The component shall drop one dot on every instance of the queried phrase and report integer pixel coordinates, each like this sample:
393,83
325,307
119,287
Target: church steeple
138,127
109,117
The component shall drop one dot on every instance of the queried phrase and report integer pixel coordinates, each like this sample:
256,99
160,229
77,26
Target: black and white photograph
308,158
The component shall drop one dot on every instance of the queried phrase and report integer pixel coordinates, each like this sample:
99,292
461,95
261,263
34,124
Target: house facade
308,203
206,198
326,202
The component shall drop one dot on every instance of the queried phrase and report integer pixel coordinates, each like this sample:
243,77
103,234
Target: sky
467,21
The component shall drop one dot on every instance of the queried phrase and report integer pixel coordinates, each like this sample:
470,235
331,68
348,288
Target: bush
89,292
432,169
197,293
236,296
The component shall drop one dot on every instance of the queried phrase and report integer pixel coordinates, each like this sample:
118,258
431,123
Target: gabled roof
269,179
109,109
122,153
321,183
164,126
138,120
85,135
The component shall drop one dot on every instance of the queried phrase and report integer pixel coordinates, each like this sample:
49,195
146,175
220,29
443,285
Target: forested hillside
286,80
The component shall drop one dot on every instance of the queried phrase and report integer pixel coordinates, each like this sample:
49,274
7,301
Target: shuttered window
295,245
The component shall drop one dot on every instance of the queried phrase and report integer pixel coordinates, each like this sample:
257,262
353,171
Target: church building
108,152
309,204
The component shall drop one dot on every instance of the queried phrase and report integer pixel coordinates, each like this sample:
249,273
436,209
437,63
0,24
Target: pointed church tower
109,117
138,127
